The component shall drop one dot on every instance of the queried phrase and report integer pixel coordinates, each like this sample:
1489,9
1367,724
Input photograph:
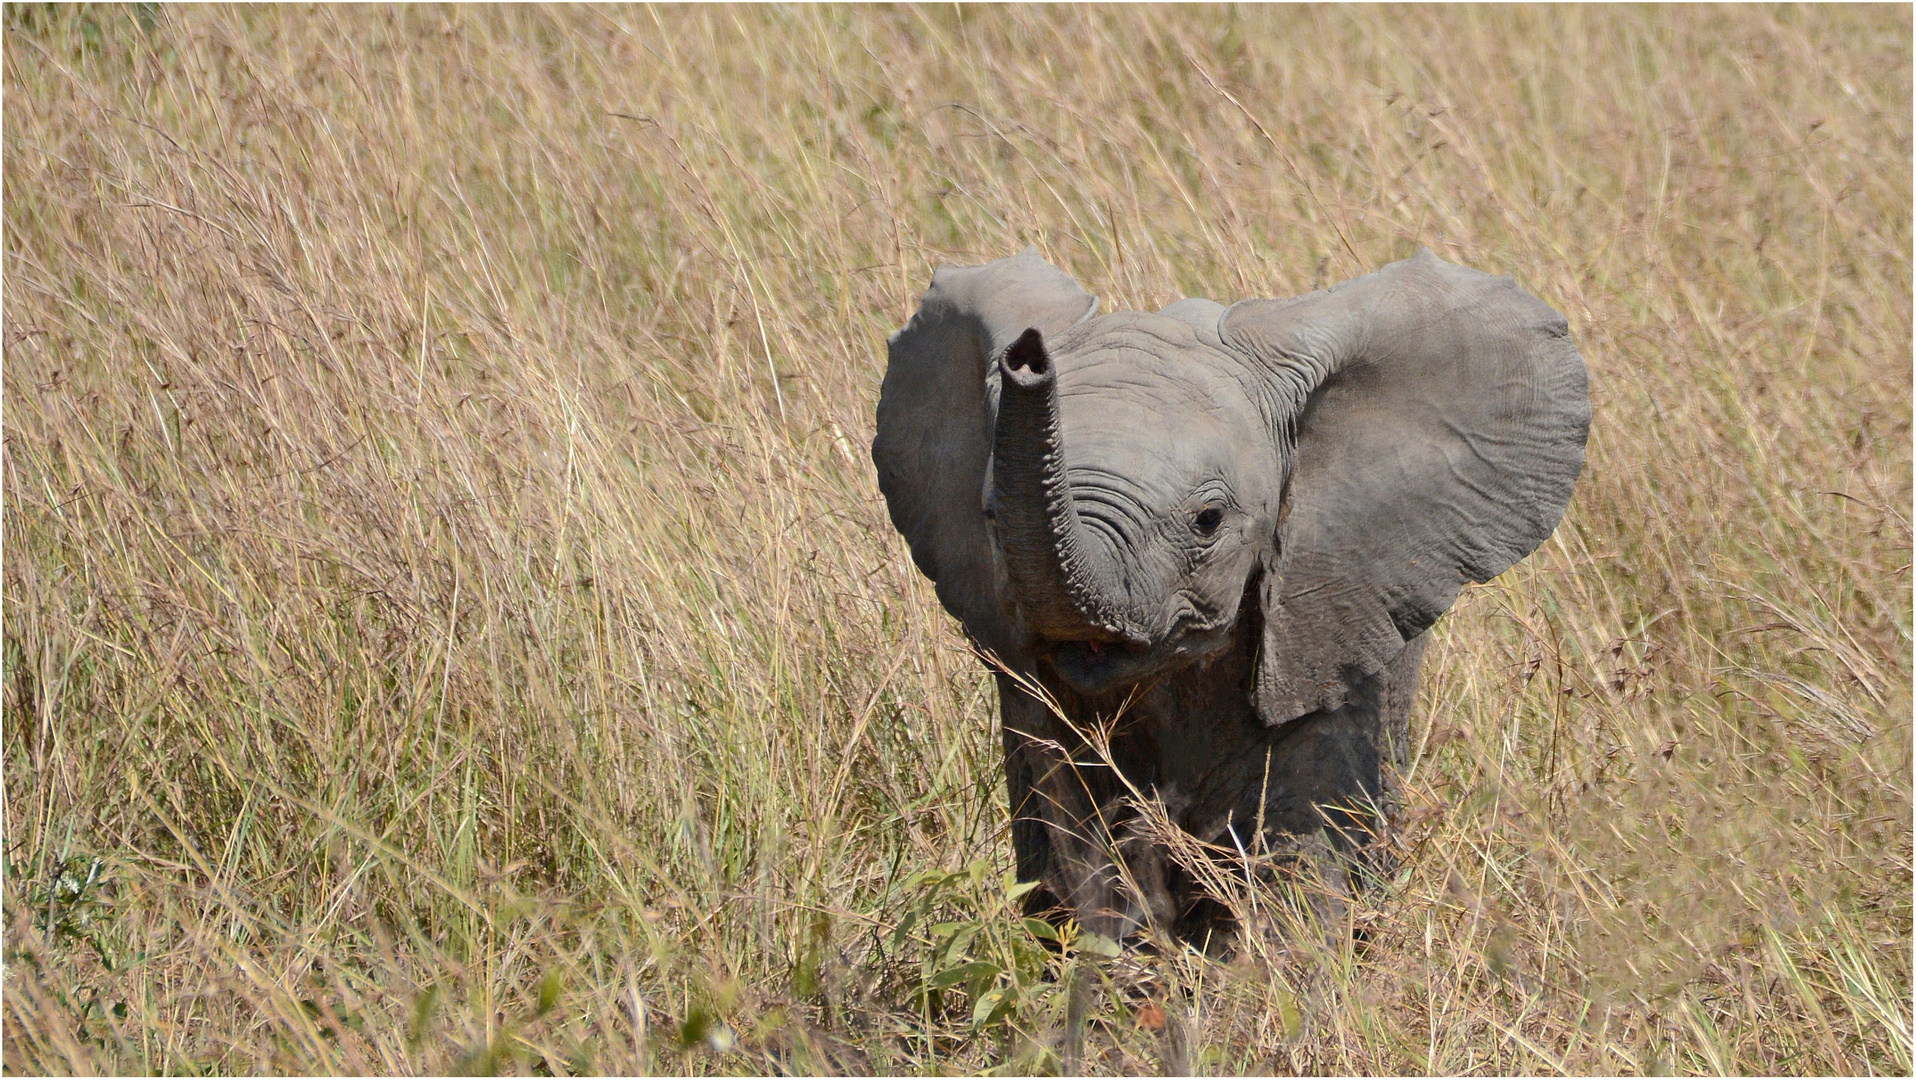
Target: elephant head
1105,494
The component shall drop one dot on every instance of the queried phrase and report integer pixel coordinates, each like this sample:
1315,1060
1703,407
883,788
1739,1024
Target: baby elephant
1213,537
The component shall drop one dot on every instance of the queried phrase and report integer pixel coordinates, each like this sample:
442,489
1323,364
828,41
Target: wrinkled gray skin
1239,521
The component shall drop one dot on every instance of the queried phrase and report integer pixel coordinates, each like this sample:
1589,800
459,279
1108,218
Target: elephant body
1194,741
1201,546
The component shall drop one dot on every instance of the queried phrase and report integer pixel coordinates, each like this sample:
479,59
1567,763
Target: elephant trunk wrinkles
1061,591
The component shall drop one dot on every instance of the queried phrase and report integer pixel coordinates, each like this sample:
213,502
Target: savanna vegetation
451,622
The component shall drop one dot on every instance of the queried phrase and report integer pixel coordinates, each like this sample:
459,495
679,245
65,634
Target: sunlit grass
450,620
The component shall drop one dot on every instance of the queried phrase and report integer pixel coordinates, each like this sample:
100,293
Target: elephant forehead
1137,349
1132,332
1127,362
1158,432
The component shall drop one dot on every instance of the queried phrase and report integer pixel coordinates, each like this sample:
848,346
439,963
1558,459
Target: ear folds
936,417
1438,418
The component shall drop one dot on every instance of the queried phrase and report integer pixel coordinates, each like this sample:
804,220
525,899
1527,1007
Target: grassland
450,620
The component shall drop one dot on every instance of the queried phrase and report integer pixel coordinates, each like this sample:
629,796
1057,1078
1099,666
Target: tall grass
450,621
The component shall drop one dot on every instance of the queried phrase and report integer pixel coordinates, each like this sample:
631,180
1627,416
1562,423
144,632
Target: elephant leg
1334,772
1397,695
1024,759
1069,829
1396,698
1148,878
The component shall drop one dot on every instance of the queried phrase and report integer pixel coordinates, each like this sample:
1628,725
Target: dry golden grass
450,620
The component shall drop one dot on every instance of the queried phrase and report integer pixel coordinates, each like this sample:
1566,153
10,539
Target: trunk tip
1025,361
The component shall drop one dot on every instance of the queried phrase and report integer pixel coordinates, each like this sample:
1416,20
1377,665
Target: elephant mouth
1093,667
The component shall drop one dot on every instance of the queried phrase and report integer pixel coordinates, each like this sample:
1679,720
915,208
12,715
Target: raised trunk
1060,591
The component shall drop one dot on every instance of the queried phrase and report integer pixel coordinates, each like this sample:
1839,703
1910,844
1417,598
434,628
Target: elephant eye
1207,520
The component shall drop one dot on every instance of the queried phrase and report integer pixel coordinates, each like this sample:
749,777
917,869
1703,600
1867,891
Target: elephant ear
1437,417
936,415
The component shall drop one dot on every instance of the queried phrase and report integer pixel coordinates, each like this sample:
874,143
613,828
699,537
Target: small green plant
990,962
993,972
69,903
